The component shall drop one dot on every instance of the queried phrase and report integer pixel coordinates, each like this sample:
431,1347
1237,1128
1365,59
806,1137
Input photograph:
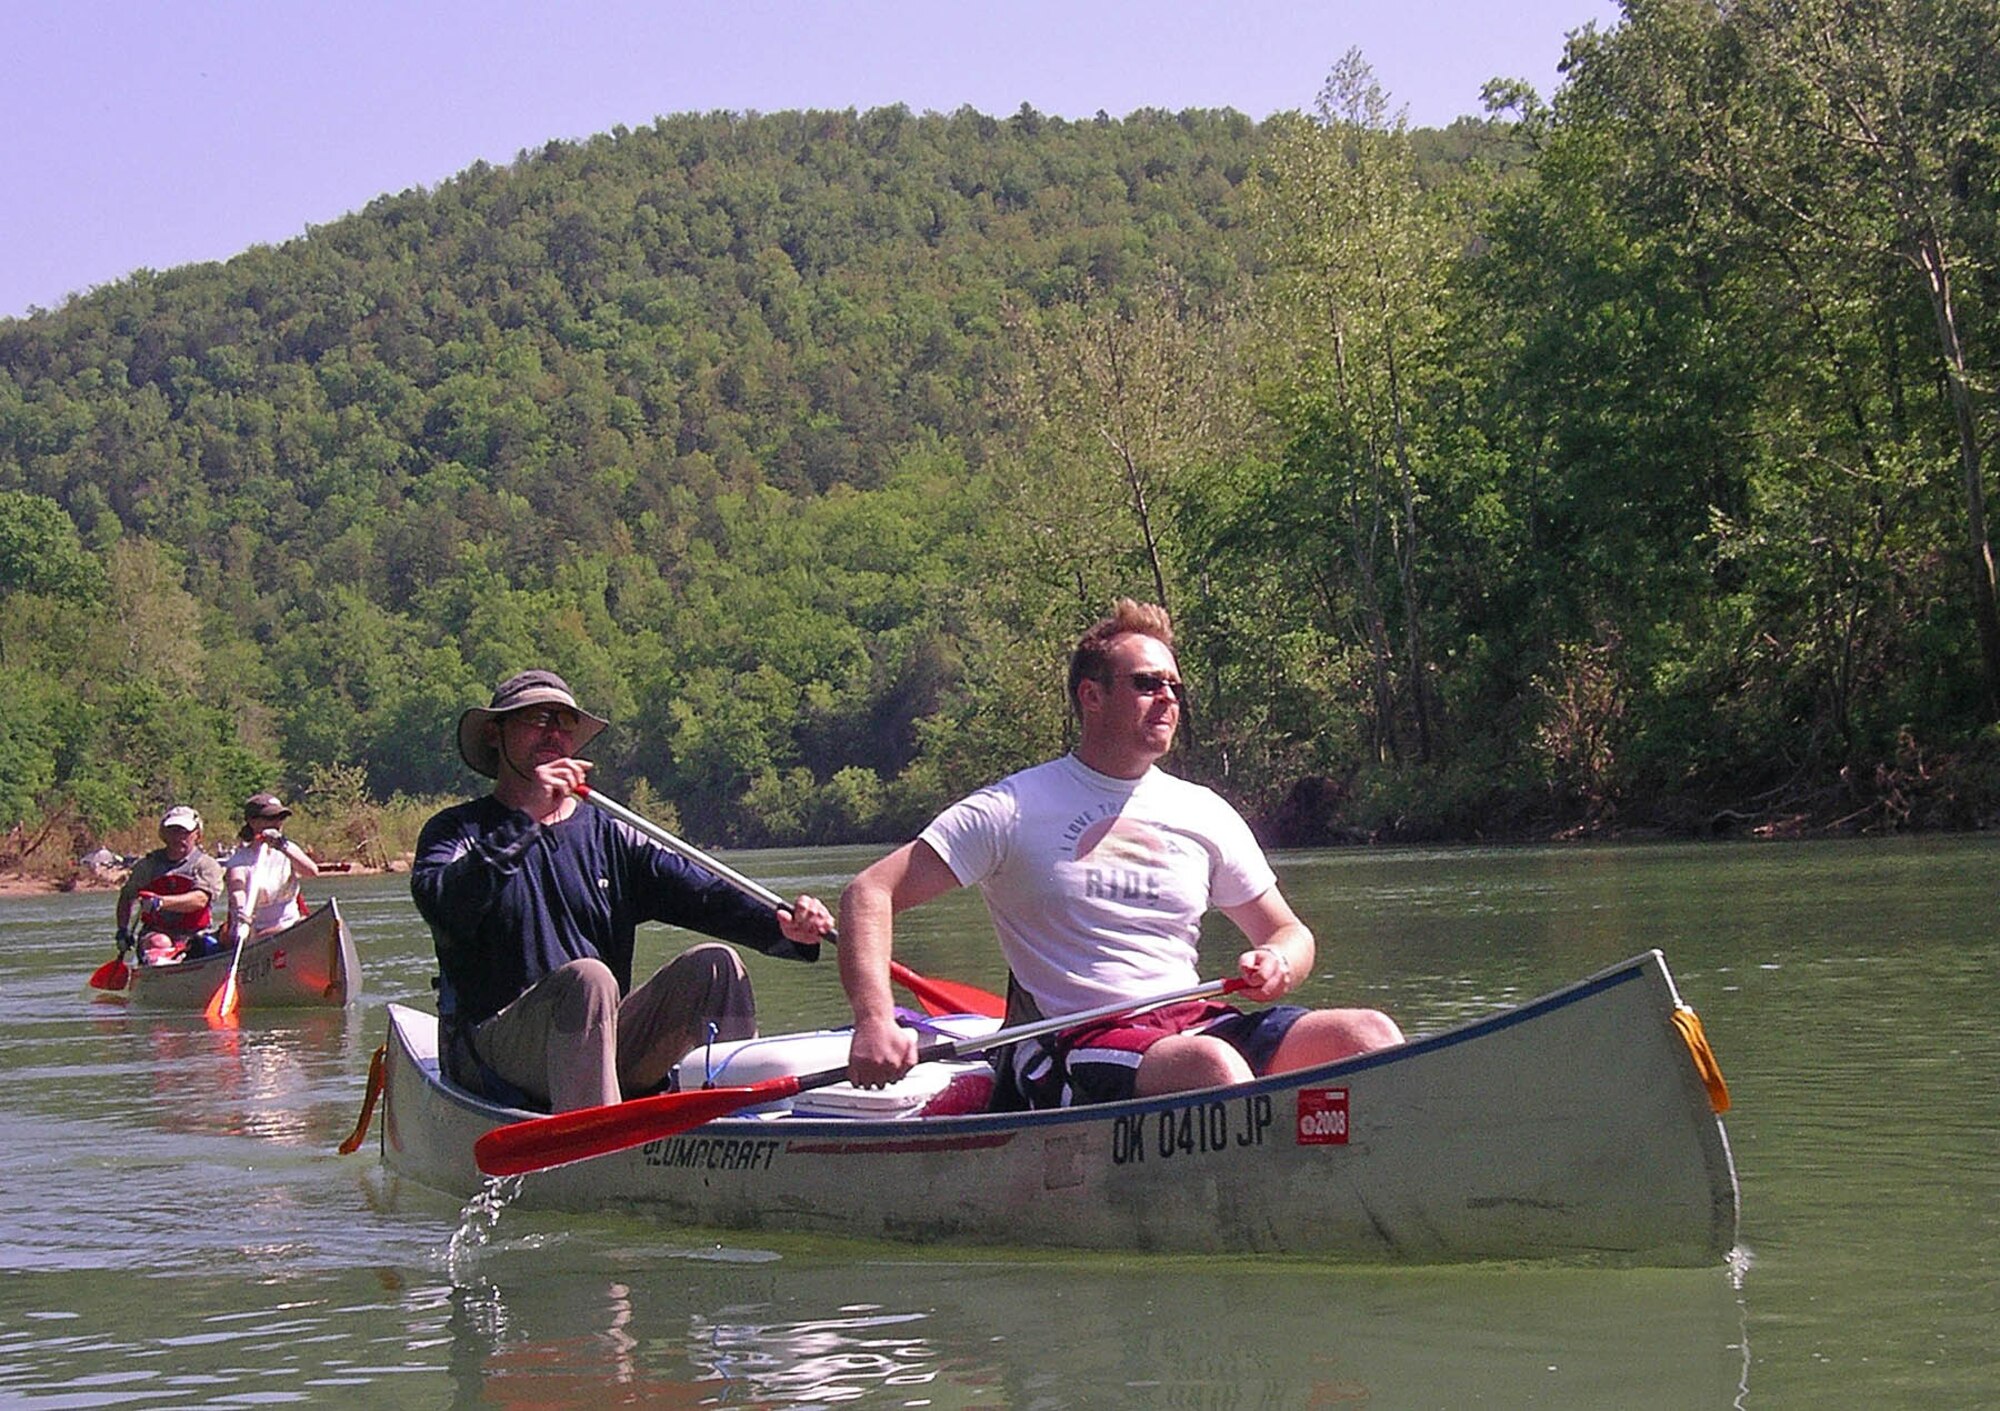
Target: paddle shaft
541,1142
938,996
749,886
1035,1028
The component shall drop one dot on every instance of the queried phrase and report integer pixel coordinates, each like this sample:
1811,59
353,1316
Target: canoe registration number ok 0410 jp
1204,1129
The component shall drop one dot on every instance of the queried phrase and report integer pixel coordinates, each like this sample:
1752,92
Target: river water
176,1229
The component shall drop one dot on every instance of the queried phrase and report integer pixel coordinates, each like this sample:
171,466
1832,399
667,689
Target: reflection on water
832,1359
814,1329
733,1357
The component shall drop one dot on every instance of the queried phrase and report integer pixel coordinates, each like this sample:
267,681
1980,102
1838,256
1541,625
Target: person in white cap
533,902
264,872
172,890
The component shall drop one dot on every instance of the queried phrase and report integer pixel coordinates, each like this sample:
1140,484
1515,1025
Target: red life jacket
175,923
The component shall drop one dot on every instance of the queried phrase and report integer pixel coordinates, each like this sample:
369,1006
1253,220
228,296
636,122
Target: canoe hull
310,964
1574,1127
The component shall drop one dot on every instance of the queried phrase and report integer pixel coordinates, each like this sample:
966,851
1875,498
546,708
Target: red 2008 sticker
1322,1116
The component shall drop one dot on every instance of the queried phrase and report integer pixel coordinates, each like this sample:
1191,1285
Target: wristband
1284,964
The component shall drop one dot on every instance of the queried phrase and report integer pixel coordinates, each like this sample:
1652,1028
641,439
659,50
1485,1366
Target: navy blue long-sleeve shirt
510,900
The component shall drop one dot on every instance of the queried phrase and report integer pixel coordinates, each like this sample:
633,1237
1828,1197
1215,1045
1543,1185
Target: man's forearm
1295,943
866,943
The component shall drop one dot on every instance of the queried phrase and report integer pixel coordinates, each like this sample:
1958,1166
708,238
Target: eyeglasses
548,720
1153,683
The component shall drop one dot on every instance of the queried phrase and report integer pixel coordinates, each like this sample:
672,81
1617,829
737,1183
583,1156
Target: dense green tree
40,551
1802,189
1359,251
1892,108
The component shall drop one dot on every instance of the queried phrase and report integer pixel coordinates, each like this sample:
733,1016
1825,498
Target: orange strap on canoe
377,1067
1689,1023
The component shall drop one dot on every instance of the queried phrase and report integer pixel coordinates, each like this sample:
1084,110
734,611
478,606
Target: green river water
176,1229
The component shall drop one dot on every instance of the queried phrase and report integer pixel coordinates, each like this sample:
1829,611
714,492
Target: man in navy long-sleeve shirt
533,901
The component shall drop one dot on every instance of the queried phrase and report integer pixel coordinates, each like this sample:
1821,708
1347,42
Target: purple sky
149,133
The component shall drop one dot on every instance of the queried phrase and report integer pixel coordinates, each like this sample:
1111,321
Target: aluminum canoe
310,963
1580,1127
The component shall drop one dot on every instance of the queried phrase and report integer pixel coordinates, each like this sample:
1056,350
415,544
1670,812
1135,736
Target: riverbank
1918,792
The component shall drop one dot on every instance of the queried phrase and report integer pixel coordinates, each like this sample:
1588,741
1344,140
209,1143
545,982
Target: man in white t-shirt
1097,869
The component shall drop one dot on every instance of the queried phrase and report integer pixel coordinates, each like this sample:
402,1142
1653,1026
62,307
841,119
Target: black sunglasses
1152,683
548,718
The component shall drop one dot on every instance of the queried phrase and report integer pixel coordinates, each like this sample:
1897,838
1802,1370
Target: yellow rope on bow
1689,1023
377,1067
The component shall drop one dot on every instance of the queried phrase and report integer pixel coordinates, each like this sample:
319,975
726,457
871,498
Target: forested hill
699,413
1515,476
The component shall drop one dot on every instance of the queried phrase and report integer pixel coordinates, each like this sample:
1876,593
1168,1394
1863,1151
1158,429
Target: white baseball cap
181,816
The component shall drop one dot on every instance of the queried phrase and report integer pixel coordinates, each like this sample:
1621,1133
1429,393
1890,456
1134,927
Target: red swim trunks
1100,1062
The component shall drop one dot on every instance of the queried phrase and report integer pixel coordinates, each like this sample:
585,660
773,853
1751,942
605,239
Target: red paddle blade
114,974
947,996
542,1142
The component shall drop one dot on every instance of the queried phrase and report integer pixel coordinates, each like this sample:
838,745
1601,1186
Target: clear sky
152,133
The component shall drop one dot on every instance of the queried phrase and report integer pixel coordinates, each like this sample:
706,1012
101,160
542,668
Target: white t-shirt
1097,885
273,888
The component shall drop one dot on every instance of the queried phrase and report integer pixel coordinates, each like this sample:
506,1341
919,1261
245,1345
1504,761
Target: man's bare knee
1188,1061
1328,1035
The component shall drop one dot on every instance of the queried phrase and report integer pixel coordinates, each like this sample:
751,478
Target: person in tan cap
264,872
533,901
172,889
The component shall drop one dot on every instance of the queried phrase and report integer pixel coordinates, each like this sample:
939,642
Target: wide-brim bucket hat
518,692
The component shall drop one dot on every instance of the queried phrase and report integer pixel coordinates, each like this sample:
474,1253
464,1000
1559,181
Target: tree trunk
1985,610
